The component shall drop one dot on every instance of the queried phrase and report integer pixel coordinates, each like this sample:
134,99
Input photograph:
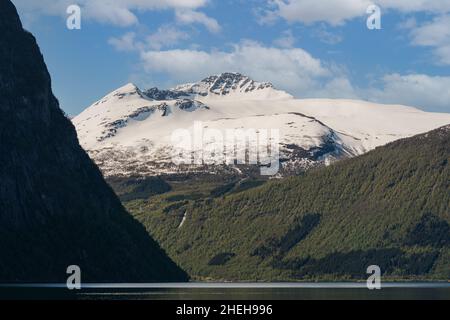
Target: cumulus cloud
417,90
117,12
432,6
166,36
310,11
104,12
293,69
338,12
191,17
298,72
124,43
289,68
435,34
286,40
324,35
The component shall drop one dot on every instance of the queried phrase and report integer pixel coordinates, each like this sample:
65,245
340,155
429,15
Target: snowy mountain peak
129,131
231,84
227,83
127,92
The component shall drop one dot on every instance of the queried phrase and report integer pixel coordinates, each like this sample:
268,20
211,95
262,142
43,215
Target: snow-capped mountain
224,86
130,132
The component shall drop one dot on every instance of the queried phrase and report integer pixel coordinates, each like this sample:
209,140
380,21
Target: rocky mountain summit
228,84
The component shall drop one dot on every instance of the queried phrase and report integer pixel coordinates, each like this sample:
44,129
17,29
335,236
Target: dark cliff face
55,207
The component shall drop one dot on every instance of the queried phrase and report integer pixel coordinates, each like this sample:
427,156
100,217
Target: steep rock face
55,208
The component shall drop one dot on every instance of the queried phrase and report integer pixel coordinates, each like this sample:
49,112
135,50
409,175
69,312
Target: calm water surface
234,291
276,291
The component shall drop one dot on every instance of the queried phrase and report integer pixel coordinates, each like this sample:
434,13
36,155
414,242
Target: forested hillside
389,207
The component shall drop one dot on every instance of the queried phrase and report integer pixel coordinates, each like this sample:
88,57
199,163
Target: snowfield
129,131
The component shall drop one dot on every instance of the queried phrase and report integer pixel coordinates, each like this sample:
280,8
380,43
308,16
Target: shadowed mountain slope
55,208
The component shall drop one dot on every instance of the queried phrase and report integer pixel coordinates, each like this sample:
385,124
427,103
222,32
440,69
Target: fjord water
232,291
273,291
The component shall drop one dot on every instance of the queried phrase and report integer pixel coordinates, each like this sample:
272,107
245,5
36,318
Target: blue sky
312,49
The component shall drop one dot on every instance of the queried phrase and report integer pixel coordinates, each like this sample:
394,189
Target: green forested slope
389,207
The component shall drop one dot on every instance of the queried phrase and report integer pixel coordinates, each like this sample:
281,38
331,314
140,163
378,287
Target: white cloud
191,16
435,34
287,40
338,12
293,69
117,12
104,12
310,11
432,6
124,43
289,68
419,90
328,37
299,73
443,53
408,24
165,36
265,16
